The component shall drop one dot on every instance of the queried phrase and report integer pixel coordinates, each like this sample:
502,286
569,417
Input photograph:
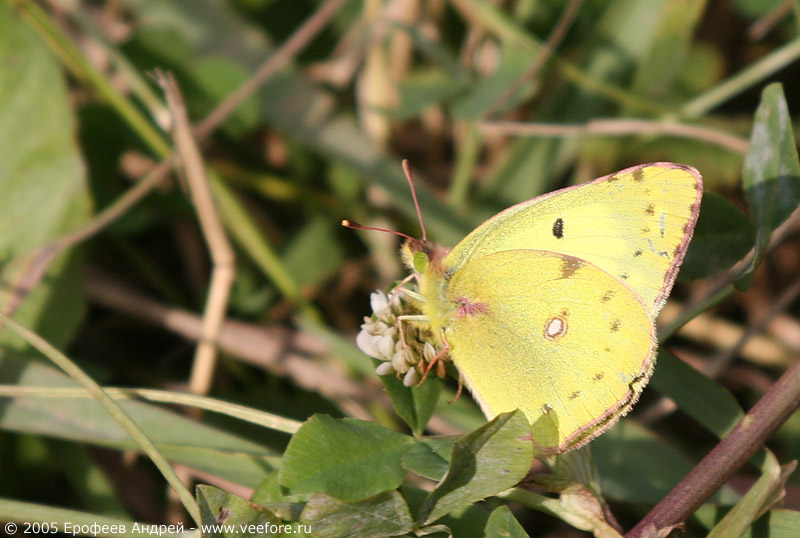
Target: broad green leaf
429,457
503,523
705,400
722,237
771,167
423,89
485,462
226,515
624,457
767,490
415,405
665,57
775,524
314,254
385,514
349,459
484,94
216,77
269,490
43,194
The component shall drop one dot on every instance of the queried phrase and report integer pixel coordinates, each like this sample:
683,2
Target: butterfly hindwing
552,335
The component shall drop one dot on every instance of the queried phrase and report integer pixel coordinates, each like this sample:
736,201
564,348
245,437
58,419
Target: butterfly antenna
407,170
356,226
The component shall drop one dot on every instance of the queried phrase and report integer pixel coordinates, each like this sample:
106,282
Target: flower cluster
381,338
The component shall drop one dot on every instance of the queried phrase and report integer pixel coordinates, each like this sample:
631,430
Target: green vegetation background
598,85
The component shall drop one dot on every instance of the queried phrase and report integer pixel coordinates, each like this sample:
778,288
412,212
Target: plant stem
731,453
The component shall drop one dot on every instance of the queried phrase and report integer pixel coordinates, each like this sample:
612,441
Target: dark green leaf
429,457
503,523
227,515
485,462
347,458
771,168
624,457
385,514
702,398
415,405
723,236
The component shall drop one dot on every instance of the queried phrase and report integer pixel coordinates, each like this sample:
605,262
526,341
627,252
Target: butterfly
550,306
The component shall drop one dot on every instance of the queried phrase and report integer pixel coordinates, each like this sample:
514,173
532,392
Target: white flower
380,337
429,352
384,368
384,346
411,378
365,342
379,302
399,362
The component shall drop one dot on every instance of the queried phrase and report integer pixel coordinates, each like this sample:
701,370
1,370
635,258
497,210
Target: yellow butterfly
550,305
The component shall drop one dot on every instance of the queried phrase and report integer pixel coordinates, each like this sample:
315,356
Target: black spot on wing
558,228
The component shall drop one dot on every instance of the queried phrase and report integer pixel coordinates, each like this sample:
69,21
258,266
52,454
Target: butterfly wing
552,335
635,224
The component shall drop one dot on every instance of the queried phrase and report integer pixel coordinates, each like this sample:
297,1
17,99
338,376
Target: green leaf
429,457
705,400
767,490
723,236
314,254
483,95
485,462
771,168
415,405
624,457
179,438
425,88
775,524
43,193
669,47
229,515
347,458
216,77
269,490
386,514
503,523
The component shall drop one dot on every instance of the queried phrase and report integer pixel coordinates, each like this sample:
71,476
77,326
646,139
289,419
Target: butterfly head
422,255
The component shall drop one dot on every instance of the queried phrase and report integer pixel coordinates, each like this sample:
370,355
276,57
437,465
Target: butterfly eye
420,262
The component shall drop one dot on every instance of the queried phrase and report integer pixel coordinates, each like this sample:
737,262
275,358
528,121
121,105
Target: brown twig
222,256
279,350
621,127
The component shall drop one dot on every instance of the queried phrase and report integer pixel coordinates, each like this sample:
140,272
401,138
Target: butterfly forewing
634,224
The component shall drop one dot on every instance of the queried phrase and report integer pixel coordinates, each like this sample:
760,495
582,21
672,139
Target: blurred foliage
599,85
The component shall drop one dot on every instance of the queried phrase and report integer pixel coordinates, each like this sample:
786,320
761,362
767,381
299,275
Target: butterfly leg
459,391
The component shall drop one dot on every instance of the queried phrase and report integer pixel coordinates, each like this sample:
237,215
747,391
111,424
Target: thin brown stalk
222,256
278,350
621,127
